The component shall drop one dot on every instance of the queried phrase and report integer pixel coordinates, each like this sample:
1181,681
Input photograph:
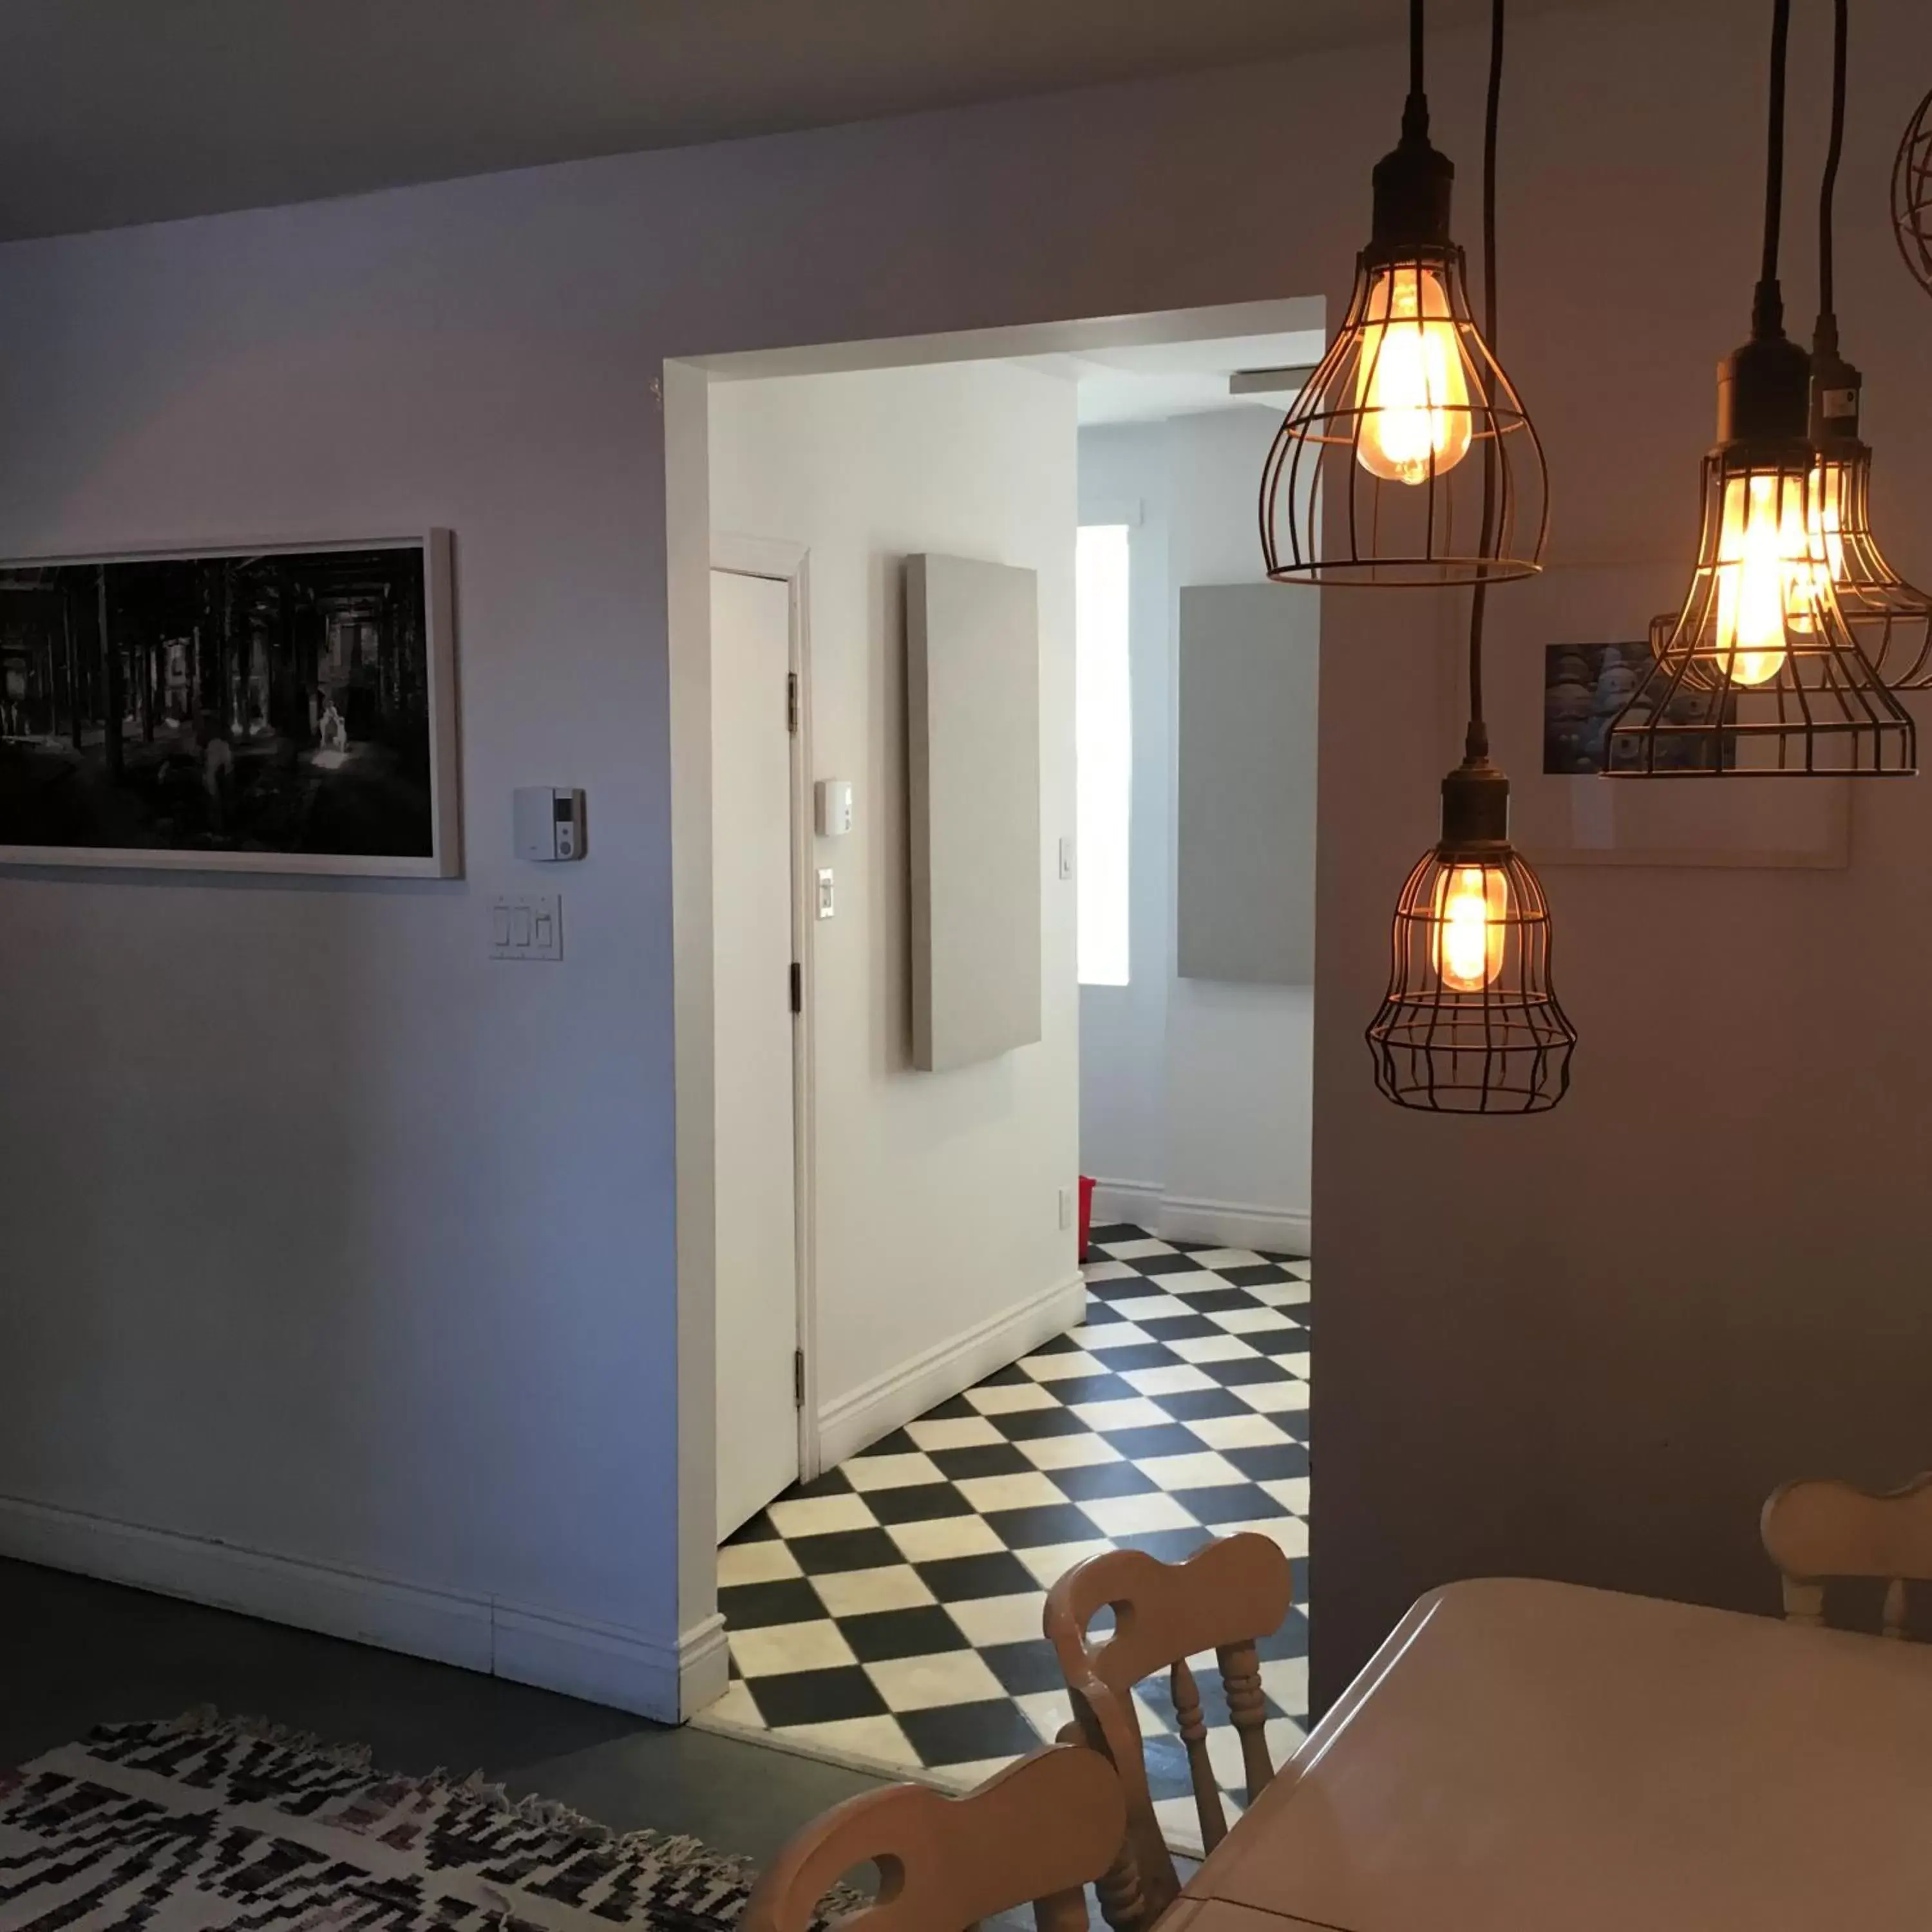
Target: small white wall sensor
833,797
547,822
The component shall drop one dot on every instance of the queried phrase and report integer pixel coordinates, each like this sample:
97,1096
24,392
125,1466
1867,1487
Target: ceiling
1151,382
121,111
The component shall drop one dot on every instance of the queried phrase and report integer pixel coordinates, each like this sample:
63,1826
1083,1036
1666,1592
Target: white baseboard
704,1665
1137,1201
604,1663
1230,1224
889,1402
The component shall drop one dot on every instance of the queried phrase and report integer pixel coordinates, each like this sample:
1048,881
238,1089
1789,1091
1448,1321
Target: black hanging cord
1478,740
1828,194
1767,308
1415,109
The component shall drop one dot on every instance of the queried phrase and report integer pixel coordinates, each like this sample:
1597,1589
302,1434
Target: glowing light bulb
1471,910
1409,385
1766,575
1825,518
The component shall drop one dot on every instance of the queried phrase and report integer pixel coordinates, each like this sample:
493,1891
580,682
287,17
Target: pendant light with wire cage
1471,1022
1761,675
1912,195
1891,619
1409,390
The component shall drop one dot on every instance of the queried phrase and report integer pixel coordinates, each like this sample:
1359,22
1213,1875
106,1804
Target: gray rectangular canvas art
1244,860
972,720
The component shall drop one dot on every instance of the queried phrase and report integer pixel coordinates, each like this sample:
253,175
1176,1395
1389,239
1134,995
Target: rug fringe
205,1720
679,1851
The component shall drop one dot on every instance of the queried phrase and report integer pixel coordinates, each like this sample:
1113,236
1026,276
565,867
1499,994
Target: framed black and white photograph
267,708
1585,686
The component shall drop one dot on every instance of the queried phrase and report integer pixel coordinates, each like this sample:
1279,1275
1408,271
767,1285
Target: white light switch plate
526,925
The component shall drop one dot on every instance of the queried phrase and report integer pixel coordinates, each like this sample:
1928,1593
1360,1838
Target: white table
1534,1757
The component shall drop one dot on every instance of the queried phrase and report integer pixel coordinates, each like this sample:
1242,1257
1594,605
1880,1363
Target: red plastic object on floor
1086,1213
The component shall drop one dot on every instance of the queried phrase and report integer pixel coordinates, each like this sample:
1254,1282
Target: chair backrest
1037,1833
1818,1530
1229,1594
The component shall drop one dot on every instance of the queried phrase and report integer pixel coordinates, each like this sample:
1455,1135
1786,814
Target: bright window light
1103,751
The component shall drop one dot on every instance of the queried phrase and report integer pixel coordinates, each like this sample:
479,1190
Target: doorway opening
968,1408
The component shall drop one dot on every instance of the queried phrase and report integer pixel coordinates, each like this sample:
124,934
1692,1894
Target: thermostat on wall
835,807
548,821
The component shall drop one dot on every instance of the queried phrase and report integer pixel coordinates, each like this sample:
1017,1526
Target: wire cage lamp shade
1408,457
1759,675
1890,620
1371,479
1471,1023
1912,195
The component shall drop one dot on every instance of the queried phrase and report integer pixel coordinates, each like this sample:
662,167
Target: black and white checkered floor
889,1613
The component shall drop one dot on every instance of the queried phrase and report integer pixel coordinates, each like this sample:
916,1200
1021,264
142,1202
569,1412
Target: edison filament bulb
1409,384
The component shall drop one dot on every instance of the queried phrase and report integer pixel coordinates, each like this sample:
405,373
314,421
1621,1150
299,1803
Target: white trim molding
703,1665
848,1423
1178,1217
607,1663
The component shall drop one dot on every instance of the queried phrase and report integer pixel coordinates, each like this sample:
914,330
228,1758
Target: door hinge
798,1378
791,702
797,987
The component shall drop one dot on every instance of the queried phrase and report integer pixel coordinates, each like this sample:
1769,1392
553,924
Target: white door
751,793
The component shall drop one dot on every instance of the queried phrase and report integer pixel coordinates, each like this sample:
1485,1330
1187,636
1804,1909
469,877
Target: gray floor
85,1653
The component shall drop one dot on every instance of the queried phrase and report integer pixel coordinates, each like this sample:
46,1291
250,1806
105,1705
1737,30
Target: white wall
1197,1096
325,1236
937,1194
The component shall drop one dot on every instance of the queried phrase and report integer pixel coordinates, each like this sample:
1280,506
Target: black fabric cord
1478,743
1767,309
1827,194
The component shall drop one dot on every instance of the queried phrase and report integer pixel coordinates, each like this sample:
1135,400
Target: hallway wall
917,1296
1196,1096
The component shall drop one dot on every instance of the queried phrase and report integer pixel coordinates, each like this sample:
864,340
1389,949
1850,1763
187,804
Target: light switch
526,925
825,892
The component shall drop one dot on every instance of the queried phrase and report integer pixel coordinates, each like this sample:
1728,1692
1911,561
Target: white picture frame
444,858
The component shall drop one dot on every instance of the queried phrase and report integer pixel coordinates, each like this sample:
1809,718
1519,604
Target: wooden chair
1229,1594
1038,1832
1818,1530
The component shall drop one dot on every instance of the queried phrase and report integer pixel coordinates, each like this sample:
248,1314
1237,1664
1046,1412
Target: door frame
779,561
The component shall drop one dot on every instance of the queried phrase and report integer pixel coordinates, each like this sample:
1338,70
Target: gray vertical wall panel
973,760
1244,853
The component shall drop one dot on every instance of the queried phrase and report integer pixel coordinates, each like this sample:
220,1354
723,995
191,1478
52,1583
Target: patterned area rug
203,1825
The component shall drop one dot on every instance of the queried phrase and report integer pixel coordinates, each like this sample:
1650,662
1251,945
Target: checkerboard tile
889,1611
